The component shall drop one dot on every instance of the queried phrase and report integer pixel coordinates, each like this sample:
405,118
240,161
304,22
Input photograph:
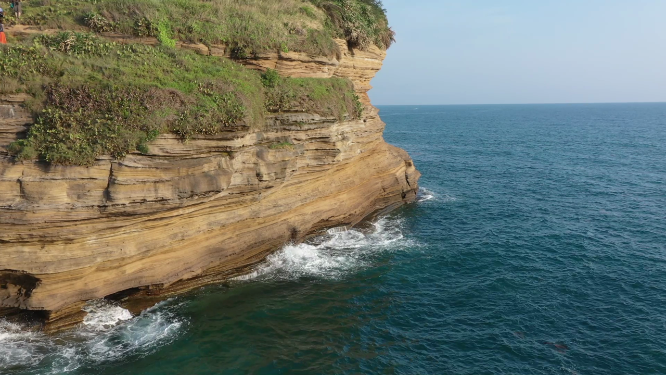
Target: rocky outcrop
359,66
188,214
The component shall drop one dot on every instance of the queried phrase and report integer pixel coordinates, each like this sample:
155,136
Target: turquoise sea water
538,246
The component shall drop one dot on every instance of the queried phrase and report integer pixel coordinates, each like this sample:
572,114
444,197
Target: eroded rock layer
187,214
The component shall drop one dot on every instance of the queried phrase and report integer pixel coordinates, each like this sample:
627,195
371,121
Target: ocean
537,246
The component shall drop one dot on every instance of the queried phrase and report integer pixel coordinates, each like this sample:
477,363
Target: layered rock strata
188,214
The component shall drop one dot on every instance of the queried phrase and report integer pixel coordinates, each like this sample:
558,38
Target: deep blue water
538,246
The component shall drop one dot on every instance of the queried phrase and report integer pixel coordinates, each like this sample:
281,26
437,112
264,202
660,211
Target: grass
325,96
248,27
282,146
92,97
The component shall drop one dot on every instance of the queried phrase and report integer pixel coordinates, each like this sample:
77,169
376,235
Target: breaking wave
333,255
425,194
103,315
108,333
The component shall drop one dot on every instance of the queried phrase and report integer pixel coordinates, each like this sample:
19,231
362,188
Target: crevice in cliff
107,191
21,189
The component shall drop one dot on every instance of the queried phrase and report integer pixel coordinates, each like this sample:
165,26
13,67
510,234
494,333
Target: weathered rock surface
192,213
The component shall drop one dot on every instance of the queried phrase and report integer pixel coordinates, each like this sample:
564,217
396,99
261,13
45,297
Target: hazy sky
524,51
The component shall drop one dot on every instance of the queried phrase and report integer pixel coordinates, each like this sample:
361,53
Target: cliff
185,214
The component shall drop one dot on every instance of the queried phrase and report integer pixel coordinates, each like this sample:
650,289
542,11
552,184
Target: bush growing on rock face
81,123
22,149
270,78
361,22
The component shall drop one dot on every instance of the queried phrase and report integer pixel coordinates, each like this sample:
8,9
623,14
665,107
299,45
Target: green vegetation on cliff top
91,97
248,26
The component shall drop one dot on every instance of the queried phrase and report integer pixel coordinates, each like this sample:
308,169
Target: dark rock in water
558,346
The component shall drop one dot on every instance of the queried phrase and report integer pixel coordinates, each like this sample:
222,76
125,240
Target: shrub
164,34
98,23
143,27
270,78
361,22
22,149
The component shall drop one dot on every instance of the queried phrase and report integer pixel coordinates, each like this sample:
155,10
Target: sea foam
103,315
425,195
333,255
108,333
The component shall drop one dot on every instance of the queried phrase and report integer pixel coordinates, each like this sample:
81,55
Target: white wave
103,315
448,198
425,194
333,255
9,331
109,332
336,230
16,346
154,327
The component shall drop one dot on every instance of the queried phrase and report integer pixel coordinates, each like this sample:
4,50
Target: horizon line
551,103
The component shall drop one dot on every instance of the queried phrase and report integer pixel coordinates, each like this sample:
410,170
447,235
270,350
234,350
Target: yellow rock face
192,213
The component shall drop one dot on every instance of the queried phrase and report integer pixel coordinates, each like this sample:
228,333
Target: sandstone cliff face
192,213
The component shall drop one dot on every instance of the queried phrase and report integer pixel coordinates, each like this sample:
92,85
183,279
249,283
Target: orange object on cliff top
3,38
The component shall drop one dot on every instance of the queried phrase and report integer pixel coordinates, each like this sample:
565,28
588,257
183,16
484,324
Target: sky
524,51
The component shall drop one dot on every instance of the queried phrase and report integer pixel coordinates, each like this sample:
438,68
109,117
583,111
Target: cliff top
93,96
248,27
